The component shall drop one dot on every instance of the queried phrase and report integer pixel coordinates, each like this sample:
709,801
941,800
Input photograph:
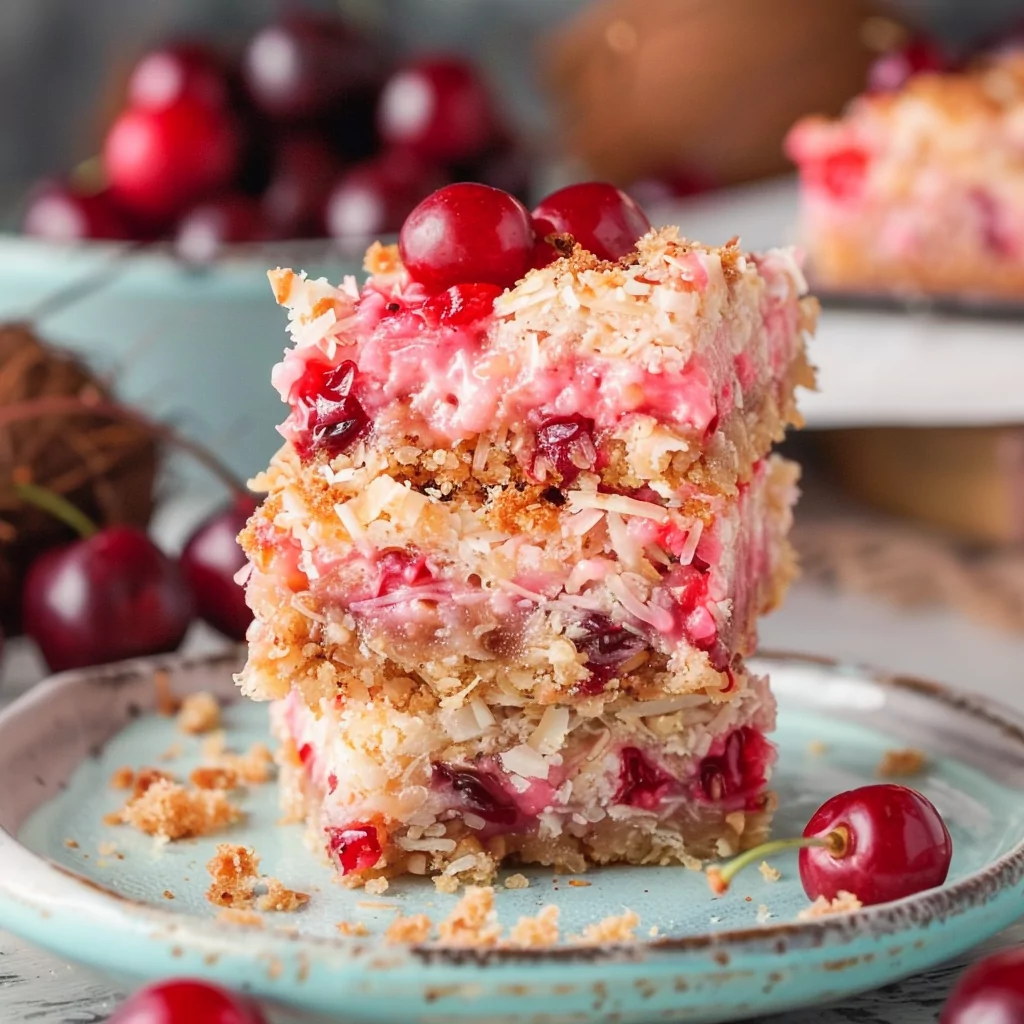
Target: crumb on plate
899,764
254,766
536,932
199,713
473,920
280,898
166,702
410,930
206,777
71,844
579,883
168,895
234,871
822,907
615,928
447,884
354,929
146,777
816,748
122,778
517,882
248,918
376,886
169,811
768,873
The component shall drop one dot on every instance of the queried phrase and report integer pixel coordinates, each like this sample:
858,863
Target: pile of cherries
312,132
113,594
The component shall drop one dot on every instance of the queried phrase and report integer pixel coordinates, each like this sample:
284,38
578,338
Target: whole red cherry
894,69
990,992
210,561
170,73
880,843
204,231
467,233
304,171
59,212
161,161
601,217
110,596
438,107
186,1002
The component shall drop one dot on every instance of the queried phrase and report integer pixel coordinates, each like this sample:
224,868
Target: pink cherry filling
641,782
326,416
607,646
355,847
735,770
480,792
398,568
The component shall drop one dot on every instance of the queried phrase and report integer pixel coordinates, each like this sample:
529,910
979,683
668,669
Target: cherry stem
719,878
58,507
71,406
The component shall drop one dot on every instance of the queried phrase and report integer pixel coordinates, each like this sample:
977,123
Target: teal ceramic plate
712,960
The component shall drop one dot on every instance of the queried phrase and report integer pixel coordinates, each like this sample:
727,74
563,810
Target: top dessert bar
546,493
920,191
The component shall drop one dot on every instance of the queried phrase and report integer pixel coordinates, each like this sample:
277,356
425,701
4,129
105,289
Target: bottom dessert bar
402,785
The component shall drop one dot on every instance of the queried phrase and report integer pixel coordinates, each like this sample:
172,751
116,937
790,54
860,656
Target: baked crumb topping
900,764
843,903
615,928
473,921
282,899
536,932
168,811
768,873
234,871
199,713
412,930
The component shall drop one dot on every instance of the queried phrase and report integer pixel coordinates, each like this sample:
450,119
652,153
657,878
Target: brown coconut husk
104,463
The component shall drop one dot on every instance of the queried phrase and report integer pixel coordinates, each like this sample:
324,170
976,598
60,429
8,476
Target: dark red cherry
438,107
894,69
186,69
211,560
304,171
306,65
735,770
183,1001
990,992
399,568
896,844
479,792
607,646
326,416
161,161
641,782
207,228
601,217
467,233
564,448
353,848
111,596
59,212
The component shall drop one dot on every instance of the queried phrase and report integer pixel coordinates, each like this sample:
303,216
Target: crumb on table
822,907
898,764
615,928
199,713
408,930
234,871
248,918
169,811
354,929
768,873
536,932
280,898
123,778
517,882
473,920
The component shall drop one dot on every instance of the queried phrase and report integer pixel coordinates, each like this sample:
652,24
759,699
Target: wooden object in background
968,480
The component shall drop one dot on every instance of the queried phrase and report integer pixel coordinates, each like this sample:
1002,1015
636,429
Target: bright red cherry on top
881,843
990,992
438,107
166,75
161,161
60,213
210,561
467,233
186,1002
110,596
601,217
892,70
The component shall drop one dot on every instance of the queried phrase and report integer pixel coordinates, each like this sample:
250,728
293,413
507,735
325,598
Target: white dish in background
876,367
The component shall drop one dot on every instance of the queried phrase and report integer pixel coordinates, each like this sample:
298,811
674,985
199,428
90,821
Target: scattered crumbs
280,898
166,703
113,818
254,766
168,895
249,918
763,913
200,713
768,873
749,899
517,882
408,930
354,929
122,778
473,920
654,931
376,886
101,863
816,748
234,871
447,884
214,778
214,745
714,920
616,928
172,753
536,932
109,850
287,929
146,777
377,905
899,764
169,811
71,844
822,907
579,883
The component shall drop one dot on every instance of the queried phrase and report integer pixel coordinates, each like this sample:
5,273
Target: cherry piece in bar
566,445
353,848
326,415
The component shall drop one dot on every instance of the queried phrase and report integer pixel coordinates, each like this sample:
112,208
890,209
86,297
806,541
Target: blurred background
156,158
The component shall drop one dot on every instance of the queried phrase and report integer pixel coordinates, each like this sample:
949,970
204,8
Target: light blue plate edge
705,979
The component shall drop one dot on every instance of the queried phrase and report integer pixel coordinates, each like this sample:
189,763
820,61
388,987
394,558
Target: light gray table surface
35,987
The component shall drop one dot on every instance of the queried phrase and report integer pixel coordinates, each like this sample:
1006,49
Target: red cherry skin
898,845
892,70
112,596
186,1002
305,66
991,990
208,227
438,107
601,217
60,213
170,73
467,233
210,561
160,162
294,201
